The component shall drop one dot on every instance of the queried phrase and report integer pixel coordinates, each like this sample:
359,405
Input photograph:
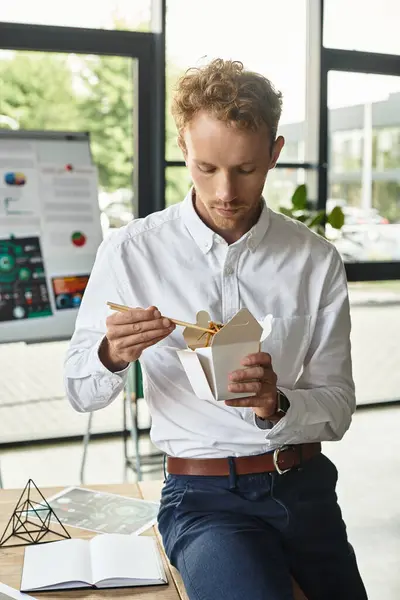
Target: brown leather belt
281,460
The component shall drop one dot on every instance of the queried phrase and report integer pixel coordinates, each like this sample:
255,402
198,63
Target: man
232,523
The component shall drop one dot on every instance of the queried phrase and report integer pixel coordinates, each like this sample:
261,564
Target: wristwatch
282,403
282,406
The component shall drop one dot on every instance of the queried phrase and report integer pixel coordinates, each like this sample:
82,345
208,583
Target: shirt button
228,271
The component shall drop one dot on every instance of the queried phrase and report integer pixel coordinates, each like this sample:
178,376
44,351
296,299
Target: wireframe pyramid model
30,521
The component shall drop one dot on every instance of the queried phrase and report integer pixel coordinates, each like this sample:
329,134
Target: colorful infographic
23,288
68,291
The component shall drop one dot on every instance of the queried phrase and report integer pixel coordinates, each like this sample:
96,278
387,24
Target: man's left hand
258,377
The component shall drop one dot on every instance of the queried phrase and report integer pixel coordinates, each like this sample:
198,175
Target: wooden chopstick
123,308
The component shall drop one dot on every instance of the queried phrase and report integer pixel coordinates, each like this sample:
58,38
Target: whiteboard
49,232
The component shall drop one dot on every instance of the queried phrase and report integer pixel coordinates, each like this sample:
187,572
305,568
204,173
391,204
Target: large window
268,37
360,144
96,82
364,164
71,92
360,25
107,14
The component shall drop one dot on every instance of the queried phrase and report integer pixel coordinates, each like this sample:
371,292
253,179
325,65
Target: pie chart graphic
78,239
13,178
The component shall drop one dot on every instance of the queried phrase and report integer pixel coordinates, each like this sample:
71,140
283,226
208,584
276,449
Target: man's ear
276,150
182,146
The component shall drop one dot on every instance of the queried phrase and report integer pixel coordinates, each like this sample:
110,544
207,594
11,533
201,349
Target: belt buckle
275,459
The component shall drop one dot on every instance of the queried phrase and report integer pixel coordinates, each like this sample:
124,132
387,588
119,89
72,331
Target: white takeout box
208,368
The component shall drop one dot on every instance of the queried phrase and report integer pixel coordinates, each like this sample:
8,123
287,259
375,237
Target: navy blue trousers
240,538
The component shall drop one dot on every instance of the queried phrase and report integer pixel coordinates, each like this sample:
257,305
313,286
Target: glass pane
225,35
107,14
375,313
44,91
177,184
360,25
364,164
280,185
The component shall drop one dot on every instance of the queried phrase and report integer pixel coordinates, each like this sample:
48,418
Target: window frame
354,61
148,173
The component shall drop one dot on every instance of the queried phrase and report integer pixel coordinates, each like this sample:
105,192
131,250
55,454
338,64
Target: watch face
283,402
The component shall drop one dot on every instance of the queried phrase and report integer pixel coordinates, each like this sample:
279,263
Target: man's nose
226,189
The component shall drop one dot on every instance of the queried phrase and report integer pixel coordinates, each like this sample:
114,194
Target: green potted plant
314,219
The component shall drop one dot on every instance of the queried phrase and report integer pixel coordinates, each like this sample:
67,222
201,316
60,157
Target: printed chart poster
103,512
68,291
23,287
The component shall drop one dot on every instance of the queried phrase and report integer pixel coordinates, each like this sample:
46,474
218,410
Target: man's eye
206,170
244,172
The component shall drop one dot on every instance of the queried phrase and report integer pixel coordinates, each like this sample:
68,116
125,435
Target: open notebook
105,561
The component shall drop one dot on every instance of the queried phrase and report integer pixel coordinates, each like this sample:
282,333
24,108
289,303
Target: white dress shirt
172,260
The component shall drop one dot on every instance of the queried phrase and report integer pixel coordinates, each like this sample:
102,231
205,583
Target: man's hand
258,377
129,333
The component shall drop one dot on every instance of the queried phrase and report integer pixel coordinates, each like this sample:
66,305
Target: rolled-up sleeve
323,399
89,384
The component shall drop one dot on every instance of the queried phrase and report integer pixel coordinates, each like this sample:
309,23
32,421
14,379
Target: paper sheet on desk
103,512
6,593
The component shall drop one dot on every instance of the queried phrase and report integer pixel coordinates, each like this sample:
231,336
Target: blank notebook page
122,556
49,564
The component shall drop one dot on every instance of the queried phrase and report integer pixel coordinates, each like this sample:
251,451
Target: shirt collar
258,231
204,236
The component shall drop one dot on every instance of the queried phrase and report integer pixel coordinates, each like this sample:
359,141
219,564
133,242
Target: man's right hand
129,333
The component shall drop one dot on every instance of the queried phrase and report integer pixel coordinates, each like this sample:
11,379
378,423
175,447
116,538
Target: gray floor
368,459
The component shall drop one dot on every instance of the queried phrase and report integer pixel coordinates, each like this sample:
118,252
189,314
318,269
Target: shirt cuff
98,366
290,420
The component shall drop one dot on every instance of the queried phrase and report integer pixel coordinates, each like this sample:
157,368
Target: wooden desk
11,559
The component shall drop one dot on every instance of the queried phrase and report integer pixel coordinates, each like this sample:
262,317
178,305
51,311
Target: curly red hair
226,90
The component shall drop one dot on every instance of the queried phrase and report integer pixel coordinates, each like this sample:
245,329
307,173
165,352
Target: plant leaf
302,217
336,218
286,211
299,198
317,219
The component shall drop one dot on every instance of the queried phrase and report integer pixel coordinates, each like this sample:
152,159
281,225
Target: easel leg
135,438
86,440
